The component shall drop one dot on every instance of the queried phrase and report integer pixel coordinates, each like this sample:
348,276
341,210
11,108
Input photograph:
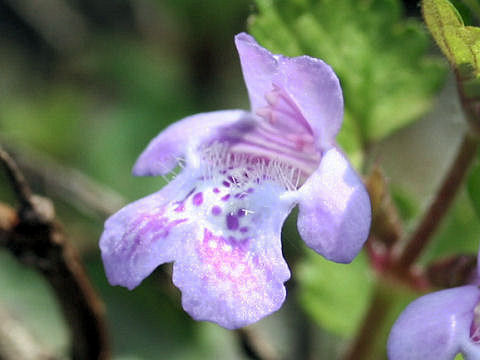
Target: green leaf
335,295
473,186
387,79
459,43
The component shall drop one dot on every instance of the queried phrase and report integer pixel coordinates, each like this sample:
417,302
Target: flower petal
334,209
181,138
141,236
258,67
315,89
230,278
435,326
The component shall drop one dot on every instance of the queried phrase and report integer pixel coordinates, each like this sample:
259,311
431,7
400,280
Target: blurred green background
85,85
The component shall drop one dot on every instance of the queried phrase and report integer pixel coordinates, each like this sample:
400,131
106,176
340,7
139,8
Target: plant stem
440,204
372,324
34,237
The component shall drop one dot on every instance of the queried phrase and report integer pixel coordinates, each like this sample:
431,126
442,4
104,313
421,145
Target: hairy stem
439,205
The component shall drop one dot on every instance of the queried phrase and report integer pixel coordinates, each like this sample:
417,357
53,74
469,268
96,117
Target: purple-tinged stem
439,205
364,342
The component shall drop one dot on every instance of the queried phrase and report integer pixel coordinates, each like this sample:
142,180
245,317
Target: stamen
282,112
243,168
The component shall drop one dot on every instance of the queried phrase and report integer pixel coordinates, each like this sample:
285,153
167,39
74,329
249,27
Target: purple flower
220,219
438,326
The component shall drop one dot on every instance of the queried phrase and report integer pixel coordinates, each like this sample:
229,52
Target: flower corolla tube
439,326
219,221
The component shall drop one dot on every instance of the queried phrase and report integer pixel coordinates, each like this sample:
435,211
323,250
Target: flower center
244,169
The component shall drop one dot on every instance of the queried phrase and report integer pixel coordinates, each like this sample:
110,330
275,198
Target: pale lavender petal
258,67
232,272
142,236
436,327
334,209
182,137
315,89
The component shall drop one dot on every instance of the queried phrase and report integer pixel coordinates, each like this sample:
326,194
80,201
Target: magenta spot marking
154,222
232,222
216,210
216,190
180,207
197,199
243,229
250,190
226,183
226,197
241,195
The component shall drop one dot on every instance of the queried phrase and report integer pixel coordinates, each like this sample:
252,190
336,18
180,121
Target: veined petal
436,327
142,236
310,83
183,138
258,67
232,272
334,209
315,89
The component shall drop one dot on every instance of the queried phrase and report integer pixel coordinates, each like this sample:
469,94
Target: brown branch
439,206
56,21
364,342
70,185
254,346
35,238
17,180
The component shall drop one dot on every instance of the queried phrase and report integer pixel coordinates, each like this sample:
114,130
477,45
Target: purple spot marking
216,190
155,222
243,229
232,180
180,207
241,195
226,197
226,183
250,190
232,222
197,199
189,193
241,212
216,210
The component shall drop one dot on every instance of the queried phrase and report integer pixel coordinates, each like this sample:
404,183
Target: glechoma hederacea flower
220,219
438,326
